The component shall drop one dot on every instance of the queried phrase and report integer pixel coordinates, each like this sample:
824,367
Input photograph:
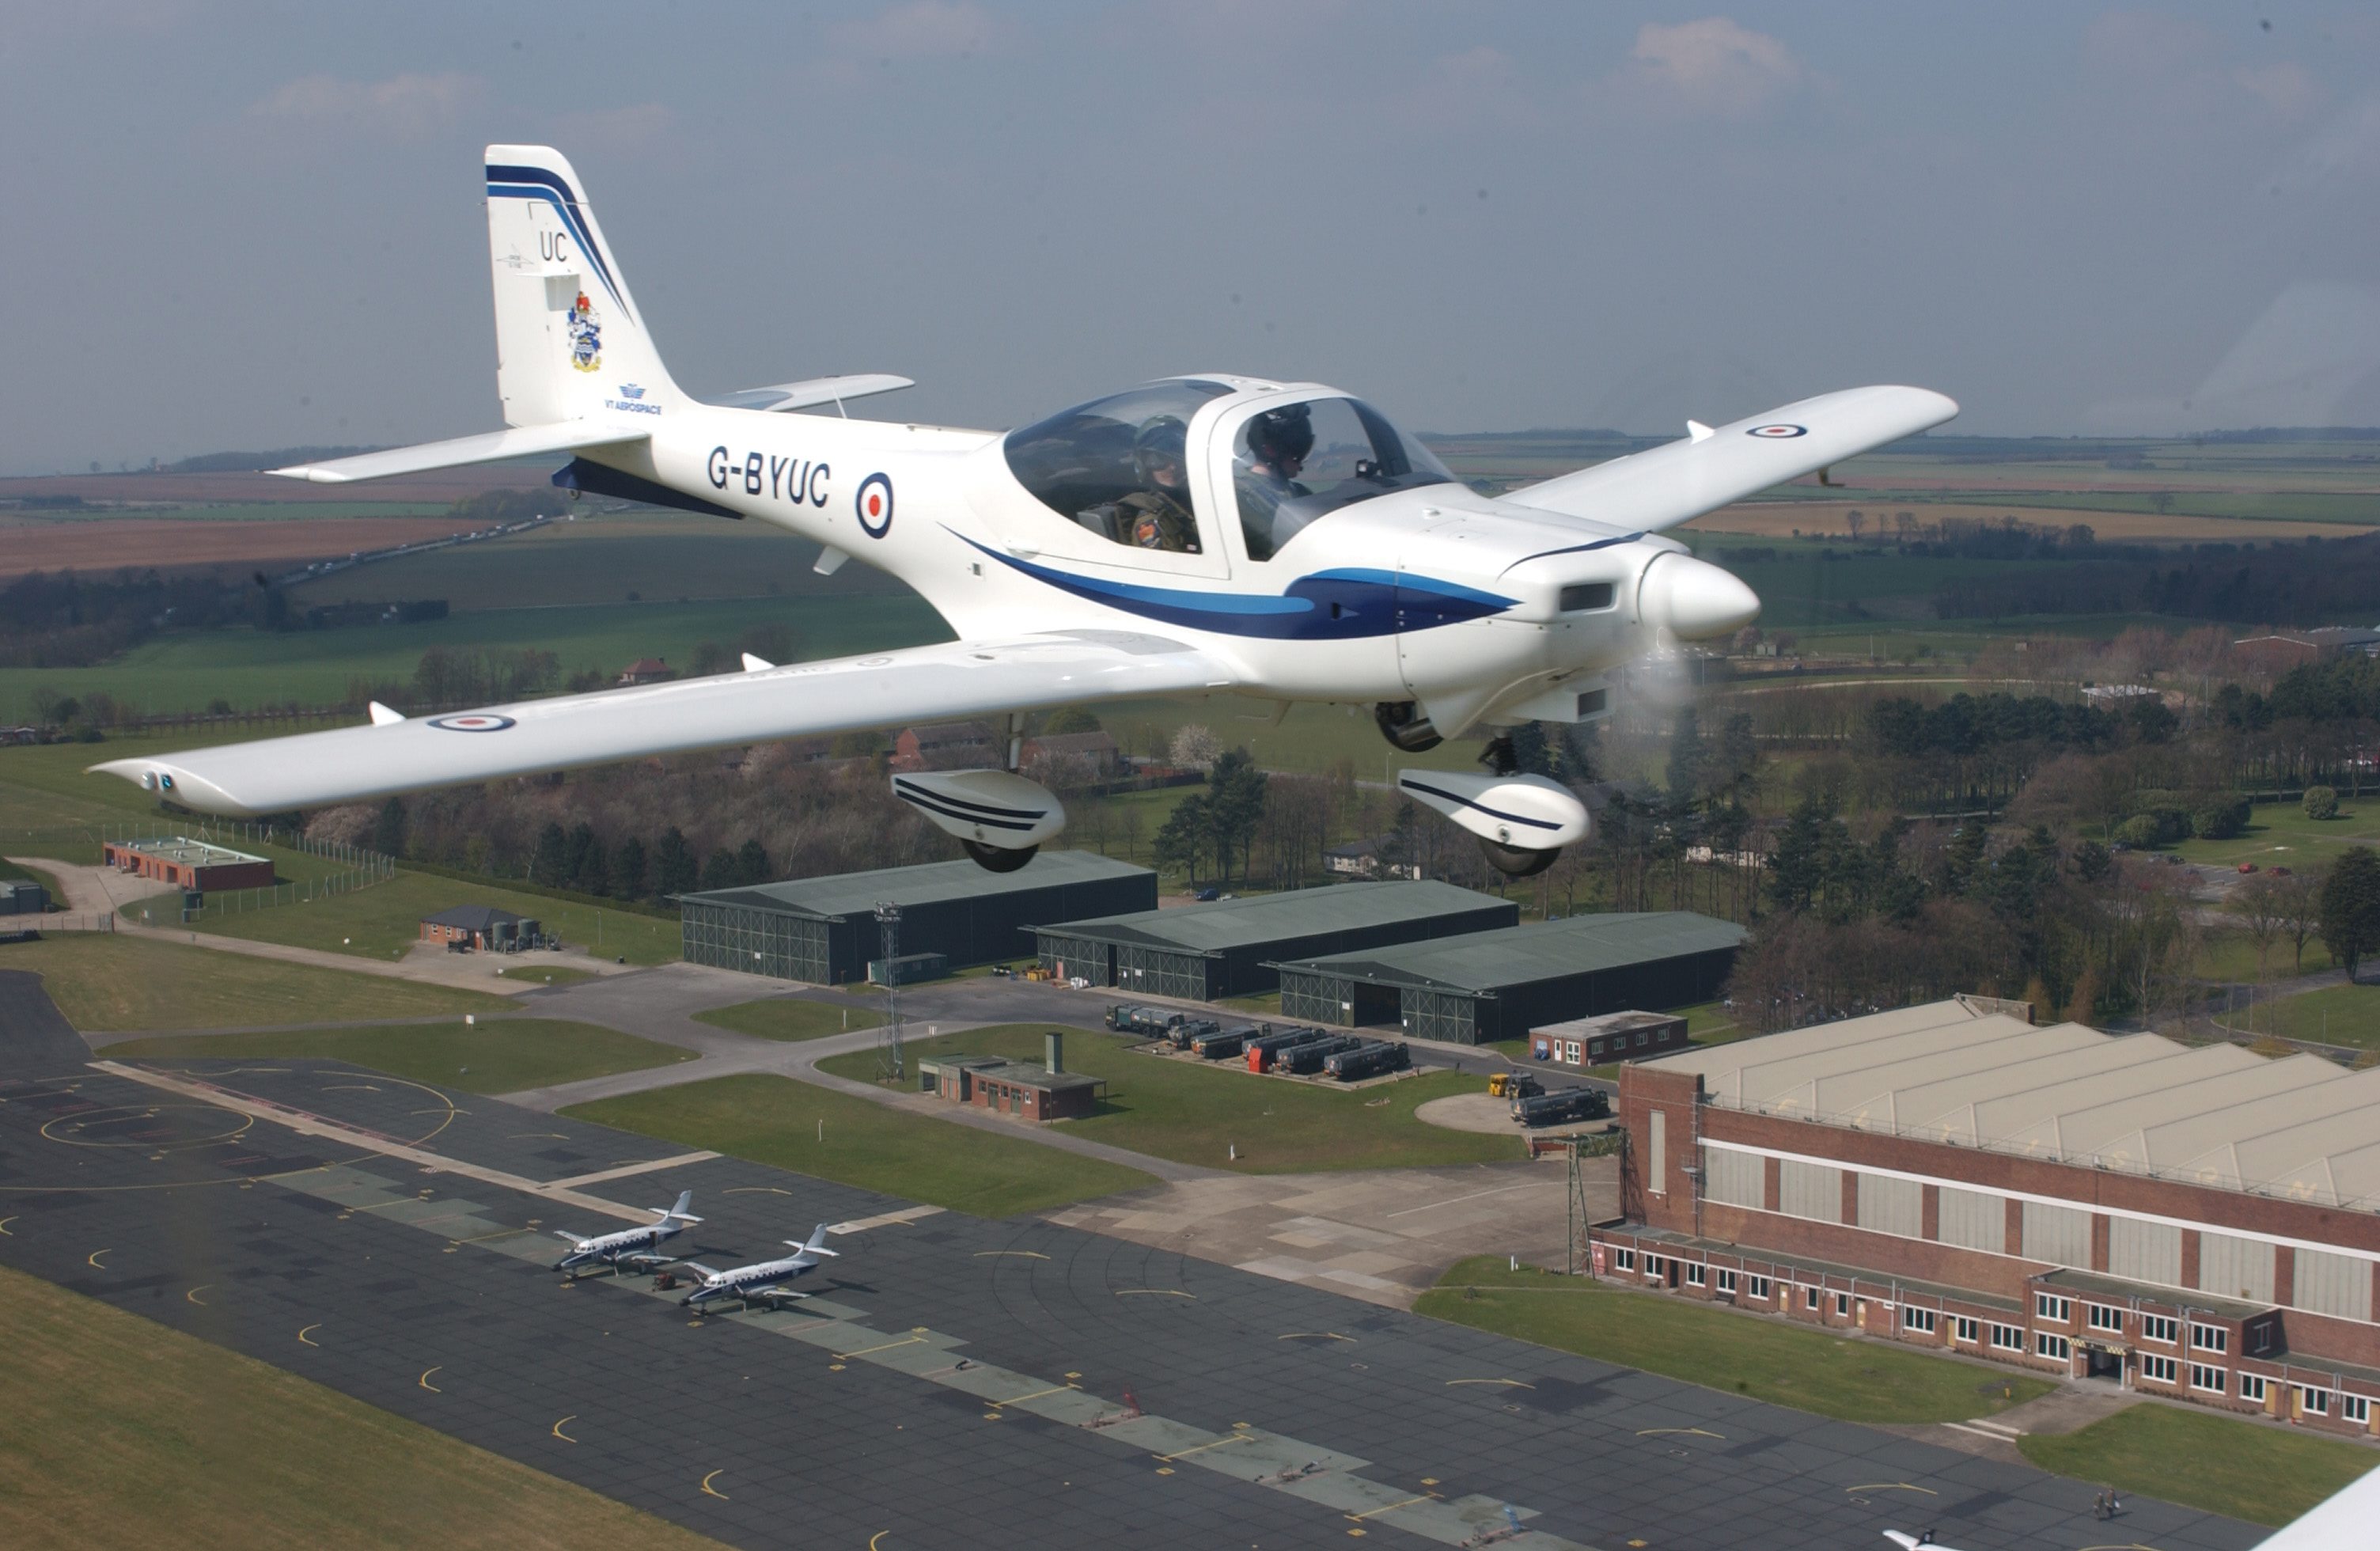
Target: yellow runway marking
351,1088
4,1228
1698,1432
877,1536
1021,1254
1155,1292
1508,1383
1054,1390
91,1260
1315,1336
705,1485
756,1190
424,1381
1201,1448
560,1433
906,1340
1893,1486
1391,1507
192,1295
499,1234
301,1335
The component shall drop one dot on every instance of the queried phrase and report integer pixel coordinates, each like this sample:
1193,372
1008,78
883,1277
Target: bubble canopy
1086,462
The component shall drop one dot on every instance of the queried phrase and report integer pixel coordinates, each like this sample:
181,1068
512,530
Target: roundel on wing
473,721
874,505
1778,432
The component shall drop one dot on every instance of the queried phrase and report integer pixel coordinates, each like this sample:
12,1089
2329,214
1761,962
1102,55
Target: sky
258,225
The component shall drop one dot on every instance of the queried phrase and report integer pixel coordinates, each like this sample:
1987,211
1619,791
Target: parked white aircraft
2348,1520
763,1279
631,1249
1200,534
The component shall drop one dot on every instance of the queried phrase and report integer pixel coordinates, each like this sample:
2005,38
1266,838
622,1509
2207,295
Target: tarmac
954,1380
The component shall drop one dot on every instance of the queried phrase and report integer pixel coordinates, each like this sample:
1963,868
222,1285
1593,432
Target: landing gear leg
1499,757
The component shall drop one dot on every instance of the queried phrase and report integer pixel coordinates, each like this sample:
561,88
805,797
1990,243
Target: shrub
2322,802
2224,815
2141,831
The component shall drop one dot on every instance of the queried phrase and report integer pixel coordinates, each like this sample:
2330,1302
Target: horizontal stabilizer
811,392
490,447
1680,481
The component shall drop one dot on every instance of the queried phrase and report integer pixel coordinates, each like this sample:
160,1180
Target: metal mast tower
890,1062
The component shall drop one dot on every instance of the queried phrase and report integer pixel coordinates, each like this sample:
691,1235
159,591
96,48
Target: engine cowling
1523,821
1000,818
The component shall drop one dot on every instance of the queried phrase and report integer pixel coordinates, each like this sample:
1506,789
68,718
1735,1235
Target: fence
359,868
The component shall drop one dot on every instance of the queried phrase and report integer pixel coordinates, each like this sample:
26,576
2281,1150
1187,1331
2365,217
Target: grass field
1851,1380
499,1055
2334,1015
855,1141
116,982
2223,1464
122,1431
537,972
2229,955
13,872
1195,1112
791,1018
2280,833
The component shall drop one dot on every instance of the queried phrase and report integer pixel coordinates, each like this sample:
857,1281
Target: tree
388,829
2257,904
1689,761
1193,747
2351,906
1181,841
2322,802
628,868
721,871
675,868
752,863
2299,898
1235,791
550,864
1071,718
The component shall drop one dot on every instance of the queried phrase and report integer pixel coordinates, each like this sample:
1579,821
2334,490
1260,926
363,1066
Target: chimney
1053,1051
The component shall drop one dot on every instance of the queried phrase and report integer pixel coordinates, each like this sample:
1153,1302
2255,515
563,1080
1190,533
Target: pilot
1279,443
1156,516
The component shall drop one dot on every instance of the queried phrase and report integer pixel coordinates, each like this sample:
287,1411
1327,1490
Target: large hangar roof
2297,1127
1485,962
1221,925
856,894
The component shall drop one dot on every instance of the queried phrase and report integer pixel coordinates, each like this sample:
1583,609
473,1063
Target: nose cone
1695,601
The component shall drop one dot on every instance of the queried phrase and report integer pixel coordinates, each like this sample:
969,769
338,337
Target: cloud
1710,67
406,103
2183,66
921,28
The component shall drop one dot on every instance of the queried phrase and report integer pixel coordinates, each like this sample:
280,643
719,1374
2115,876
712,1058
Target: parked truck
1304,1061
1266,1049
1368,1060
1562,1107
1219,1045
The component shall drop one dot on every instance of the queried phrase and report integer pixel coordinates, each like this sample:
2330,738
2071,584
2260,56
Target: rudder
570,343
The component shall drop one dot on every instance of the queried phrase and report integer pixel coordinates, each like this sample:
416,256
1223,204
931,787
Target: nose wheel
1514,861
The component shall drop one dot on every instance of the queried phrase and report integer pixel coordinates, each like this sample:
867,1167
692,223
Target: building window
1757,1287
1842,1305
1916,1319
2100,1316
2313,1401
1623,1260
1653,1268
2007,1338
2159,1368
2251,1388
2051,1307
1695,1274
2209,1338
2356,1409
2157,1327
2260,1337
2046,1344
1810,1298
2206,1378
1963,1328
1727,1281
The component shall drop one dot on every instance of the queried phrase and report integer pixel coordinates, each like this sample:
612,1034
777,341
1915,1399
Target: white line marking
625,1169
1502,1190
907,1214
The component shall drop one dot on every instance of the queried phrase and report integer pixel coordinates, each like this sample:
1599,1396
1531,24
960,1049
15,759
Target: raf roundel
1778,432
475,721
874,505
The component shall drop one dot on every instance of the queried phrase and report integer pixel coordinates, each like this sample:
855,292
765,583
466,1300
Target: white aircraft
763,1279
2348,1520
631,1249
1200,534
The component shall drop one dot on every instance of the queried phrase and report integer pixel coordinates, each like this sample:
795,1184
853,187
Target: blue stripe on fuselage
536,183
1341,605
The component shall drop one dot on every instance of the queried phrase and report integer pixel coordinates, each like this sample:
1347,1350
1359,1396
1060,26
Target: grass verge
1847,1379
2223,1464
114,981
856,1141
791,1018
504,1055
1195,1112
125,1433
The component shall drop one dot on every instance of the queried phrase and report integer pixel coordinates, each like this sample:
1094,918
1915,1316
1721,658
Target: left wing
810,391
923,684
1668,485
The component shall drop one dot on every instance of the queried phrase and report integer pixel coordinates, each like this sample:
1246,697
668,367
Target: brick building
189,863
945,745
482,926
2197,1222
1048,1092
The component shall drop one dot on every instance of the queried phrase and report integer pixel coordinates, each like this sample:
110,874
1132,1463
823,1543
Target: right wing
2343,1522
493,446
952,680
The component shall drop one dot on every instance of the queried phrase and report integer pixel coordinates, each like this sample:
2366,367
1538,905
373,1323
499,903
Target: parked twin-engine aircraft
1200,534
631,1249
763,1279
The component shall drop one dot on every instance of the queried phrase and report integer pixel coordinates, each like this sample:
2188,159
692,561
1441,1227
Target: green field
537,971
2334,1015
791,1018
116,982
2223,1464
497,1054
122,1431
1195,1112
1850,1379
2280,833
855,1141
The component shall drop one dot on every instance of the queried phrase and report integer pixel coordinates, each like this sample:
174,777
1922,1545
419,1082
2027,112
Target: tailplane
570,343
678,1213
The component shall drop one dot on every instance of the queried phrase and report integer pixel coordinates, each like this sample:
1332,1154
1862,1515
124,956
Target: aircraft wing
1676,482
490,447
2342,1522
922,684
811,392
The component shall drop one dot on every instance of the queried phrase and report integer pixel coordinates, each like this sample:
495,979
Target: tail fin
678,1212
816,1243
570,343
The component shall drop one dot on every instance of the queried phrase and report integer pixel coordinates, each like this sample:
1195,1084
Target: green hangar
1499,984
1229,948
825,930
